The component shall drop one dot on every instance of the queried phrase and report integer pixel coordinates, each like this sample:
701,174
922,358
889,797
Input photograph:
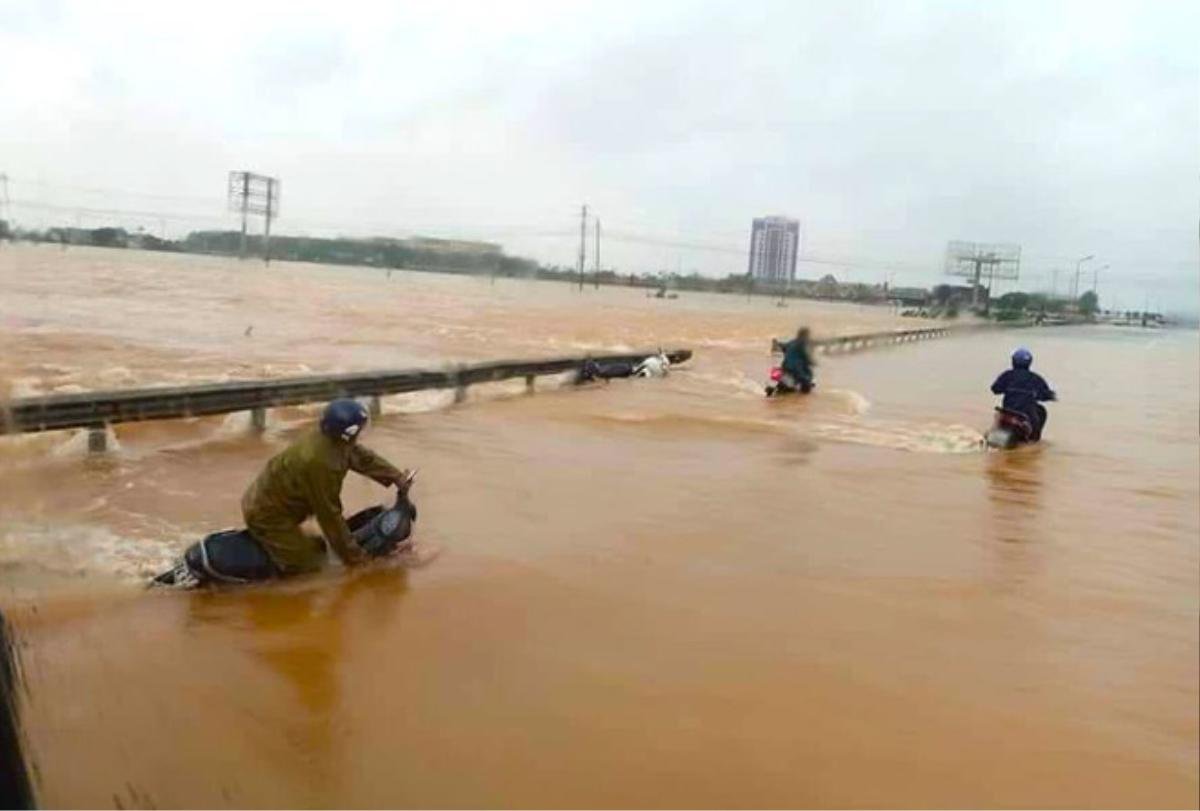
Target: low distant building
451,245
959,295
909,296
774,248
828,286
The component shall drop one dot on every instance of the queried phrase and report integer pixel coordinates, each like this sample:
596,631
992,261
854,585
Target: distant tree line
484,258
416,254
1019,306
383,252
449,256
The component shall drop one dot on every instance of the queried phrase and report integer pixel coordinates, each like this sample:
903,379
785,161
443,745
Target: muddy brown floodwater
656,593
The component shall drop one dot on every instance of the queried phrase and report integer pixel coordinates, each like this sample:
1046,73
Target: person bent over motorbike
797,361
305,480
1023,390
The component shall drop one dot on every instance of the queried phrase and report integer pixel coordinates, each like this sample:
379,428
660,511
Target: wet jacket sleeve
1044,391
373,466
809,360
326,502
1001,384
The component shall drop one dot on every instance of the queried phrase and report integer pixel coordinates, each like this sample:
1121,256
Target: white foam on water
238,423
738,383
116,376
83,551
76,443
18,449
855,402
499,390
553,382
286,369
596,349
728,343
901,436
417,402
747,386
56,369
25,387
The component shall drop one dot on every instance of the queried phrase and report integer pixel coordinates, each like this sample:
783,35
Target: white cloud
887,128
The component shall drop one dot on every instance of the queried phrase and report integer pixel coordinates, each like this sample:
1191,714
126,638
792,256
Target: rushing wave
83,551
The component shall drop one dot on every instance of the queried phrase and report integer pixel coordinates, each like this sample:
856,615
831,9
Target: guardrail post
97,438
258,419
375,407
529,383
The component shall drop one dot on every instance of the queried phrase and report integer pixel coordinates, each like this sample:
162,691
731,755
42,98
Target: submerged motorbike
653,366
591,370
235,556
784,383
1010,429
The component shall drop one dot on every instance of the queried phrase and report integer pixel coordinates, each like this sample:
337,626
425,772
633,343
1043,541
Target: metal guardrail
97,409
848,343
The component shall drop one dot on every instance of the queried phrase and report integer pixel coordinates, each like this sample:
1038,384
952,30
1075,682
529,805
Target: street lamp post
1078,265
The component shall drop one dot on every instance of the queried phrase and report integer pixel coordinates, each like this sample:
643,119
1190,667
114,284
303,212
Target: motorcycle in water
784,383
1010,429
234,556
653,366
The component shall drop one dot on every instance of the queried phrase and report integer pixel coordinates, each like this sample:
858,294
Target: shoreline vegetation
465,257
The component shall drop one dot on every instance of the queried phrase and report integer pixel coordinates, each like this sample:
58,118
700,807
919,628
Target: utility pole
4,215
582,242
1054,283
5,209
245,210
596,271
1078,265
267,226
250,193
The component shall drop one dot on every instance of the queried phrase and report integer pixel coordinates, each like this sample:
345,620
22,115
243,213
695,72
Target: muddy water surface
654,593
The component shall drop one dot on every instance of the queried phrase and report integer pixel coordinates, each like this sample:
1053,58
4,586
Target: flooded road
655,593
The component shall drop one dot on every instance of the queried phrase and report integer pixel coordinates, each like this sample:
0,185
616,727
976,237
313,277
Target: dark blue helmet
1022,358
343,419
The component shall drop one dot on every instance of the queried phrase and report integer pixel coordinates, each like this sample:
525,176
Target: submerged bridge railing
98,409
867,340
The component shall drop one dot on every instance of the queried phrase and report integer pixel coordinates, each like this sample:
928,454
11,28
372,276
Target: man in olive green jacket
304,480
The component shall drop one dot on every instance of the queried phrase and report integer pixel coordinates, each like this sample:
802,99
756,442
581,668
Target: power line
1169,269
17,181
582,242
596,270
116,212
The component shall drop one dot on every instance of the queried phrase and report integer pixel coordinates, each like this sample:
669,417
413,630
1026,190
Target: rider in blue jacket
1023,390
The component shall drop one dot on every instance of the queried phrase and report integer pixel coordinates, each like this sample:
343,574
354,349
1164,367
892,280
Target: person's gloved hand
404,481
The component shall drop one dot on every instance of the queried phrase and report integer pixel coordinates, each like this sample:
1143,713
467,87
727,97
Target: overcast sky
886,128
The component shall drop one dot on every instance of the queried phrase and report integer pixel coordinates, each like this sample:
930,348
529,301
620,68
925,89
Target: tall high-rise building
774,247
